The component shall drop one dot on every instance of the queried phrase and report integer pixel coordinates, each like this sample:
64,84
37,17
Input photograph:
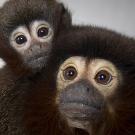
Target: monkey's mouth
38,62
79,111
39,59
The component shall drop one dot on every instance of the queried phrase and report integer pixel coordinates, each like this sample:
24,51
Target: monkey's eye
21,39
70,73
103,77
43,32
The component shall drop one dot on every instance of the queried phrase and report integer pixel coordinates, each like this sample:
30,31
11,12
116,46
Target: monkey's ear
65,19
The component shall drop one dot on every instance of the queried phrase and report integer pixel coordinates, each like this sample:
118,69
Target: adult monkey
95,81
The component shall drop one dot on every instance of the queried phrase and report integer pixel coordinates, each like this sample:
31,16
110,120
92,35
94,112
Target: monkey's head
96,81
30,27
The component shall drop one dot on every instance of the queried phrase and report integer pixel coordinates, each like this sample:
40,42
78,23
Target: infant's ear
66,20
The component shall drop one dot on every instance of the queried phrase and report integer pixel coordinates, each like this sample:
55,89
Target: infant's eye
43,32
70,73
20,39
103,77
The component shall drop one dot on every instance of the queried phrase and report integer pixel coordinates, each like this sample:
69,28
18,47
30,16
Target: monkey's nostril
40,46
88,89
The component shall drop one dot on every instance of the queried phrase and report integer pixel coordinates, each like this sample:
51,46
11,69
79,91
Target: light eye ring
103,77
23,44
46,31
64,71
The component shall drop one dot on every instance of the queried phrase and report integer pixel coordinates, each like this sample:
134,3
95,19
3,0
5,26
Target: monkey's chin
38,63
79,115
78,124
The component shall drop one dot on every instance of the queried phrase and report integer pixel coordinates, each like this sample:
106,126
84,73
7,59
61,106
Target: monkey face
83,87
31,27
33,43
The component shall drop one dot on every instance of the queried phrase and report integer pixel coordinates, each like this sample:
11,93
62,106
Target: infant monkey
30,28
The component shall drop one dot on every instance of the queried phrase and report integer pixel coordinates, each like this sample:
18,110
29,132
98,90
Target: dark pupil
42,32
102,77
70,73
21,39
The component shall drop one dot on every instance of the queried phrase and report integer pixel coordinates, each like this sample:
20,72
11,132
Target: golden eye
70,73
103,77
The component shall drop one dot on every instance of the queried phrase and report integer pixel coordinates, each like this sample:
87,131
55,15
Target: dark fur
15,13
